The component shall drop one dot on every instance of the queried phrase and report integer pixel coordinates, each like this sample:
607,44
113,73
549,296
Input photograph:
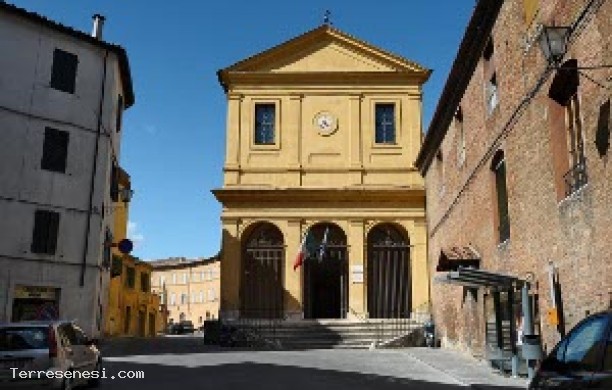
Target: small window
55,150
44,237
130,280
385,123
114,183
145,282
265,117
173,299
120,108
201,296
173,278
185,278
460,137
63,73
492,94
184,299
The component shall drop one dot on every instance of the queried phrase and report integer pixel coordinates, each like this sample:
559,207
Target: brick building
517,174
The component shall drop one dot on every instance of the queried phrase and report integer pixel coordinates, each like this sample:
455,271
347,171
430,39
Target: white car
55,354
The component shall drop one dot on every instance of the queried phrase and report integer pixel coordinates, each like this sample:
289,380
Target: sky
173,141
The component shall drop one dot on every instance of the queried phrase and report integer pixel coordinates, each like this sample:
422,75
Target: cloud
134,233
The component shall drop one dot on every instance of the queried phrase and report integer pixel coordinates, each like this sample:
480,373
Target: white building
62,93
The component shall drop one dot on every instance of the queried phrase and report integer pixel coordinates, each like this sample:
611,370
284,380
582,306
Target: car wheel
95,382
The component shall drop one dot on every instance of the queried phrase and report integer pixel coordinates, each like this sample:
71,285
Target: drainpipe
94,170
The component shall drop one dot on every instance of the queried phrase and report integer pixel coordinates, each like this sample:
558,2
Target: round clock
325,123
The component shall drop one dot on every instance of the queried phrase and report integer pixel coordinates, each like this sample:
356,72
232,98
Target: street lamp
553,43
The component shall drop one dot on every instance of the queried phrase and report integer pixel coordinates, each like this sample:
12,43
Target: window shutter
119,113
44,236
114,184
55,150
52,233
39,235
63,73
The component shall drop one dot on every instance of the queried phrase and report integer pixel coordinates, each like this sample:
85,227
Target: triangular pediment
325,49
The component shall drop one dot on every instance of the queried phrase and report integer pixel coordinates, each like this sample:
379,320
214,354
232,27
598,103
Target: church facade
322,134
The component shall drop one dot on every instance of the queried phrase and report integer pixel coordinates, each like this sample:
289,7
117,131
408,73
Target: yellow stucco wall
356,182
189,287
133,309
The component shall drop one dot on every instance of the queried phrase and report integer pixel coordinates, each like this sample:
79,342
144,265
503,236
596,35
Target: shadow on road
249,374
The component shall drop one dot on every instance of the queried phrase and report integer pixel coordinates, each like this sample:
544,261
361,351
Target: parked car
58,346
582,359
185,327
181,327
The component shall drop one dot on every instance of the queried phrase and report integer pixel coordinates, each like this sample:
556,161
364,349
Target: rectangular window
145,282
502,199
63,72
385,123
55,150
114,183
201,296
492,95
265,117
130,279
120,107
184,299
46,227
173,278
576,177
173,299
184,278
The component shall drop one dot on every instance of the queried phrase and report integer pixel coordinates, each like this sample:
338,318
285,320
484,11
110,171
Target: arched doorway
388,273
326,275
263,258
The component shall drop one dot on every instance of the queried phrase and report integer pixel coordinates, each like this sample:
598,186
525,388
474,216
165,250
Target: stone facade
324,168
548,225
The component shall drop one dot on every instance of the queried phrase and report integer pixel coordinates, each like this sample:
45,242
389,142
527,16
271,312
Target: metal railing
255,328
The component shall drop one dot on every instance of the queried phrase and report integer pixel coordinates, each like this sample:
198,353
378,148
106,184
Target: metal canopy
470,277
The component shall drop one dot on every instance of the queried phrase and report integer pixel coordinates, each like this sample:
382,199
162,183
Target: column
293,279
356,270
420,277
230,270
234,134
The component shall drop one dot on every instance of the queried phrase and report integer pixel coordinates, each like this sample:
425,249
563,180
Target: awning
470,277
451,259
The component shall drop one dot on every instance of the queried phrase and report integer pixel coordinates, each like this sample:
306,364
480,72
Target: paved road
184,362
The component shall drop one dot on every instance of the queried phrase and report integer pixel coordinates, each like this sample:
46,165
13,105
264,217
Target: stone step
325,334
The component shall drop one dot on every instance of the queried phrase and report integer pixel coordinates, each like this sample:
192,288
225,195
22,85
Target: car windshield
22,338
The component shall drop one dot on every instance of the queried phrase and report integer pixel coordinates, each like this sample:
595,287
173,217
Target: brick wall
574,233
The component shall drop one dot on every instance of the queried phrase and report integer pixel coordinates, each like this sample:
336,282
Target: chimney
98,24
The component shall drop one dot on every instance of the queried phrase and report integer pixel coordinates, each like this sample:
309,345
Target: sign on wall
357,273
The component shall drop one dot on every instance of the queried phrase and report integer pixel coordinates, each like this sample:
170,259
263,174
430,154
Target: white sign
357,273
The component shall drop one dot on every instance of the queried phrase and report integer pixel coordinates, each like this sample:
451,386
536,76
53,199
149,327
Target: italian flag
304,250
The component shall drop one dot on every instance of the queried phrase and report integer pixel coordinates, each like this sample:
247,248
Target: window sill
265,147
386,146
